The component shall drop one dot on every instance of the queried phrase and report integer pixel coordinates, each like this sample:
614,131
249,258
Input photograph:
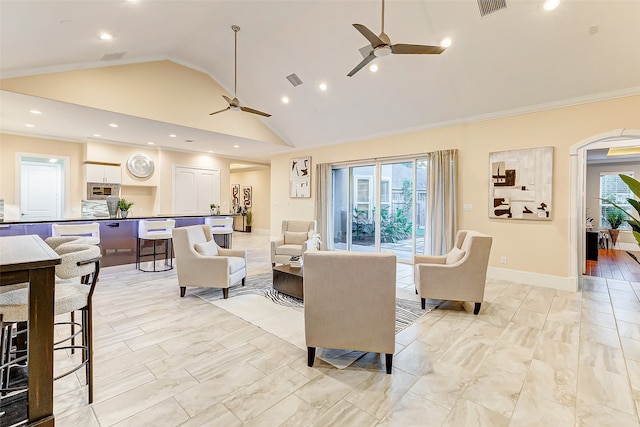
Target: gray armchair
350,302
296,238
202,263
460,275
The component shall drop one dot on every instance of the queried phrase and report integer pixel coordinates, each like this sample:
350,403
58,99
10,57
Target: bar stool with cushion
222,230
156,231
78,261
90,232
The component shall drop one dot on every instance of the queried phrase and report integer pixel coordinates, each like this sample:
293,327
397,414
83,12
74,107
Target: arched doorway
578,154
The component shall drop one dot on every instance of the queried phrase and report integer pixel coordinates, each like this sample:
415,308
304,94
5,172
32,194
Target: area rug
283,316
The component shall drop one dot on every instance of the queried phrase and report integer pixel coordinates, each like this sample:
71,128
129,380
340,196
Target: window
614,189
363,196
385,192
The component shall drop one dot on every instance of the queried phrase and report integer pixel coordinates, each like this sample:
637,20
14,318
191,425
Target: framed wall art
521,184
300,177
246,197
235,195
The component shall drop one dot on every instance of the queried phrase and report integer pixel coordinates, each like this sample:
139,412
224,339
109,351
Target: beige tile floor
533,356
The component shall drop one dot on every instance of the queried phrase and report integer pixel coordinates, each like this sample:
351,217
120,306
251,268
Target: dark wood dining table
29,259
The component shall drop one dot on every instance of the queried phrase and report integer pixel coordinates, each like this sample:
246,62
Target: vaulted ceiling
518,59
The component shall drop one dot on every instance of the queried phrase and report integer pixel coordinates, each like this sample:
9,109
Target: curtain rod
390,158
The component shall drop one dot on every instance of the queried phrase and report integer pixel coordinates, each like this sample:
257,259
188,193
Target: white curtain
324,205
442,171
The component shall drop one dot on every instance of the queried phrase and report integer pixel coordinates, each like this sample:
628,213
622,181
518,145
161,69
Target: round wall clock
140,165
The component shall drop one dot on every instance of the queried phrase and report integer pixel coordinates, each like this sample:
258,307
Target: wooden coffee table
288,280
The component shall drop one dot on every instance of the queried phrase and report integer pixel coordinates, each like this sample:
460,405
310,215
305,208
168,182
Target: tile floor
533,356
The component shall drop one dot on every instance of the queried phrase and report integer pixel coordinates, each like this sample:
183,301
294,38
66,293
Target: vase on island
112,206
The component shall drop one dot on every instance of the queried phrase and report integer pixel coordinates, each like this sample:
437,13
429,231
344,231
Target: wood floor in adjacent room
614,264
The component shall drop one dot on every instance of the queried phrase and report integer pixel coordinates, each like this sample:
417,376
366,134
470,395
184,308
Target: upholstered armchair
202,263
460,275
350,302
296,238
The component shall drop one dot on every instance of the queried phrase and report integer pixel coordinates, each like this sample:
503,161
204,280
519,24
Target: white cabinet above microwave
103,173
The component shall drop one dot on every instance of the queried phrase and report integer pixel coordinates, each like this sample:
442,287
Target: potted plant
215,210
249,221
615,217
124,205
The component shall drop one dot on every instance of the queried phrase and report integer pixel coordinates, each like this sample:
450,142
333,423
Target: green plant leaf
636,234
632,183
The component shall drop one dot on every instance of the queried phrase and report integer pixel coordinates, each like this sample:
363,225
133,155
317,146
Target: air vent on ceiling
490,6
294,80
112,56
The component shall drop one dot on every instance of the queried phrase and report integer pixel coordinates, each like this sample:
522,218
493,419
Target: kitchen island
118,237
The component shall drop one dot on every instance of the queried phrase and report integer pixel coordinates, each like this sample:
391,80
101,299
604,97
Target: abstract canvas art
246,196
235,195
521,184
300,177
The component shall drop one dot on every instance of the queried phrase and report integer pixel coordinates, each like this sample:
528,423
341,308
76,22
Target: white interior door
195,189
40,190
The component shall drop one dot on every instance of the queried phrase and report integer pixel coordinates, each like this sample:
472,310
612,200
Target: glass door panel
421,205
396,209
363,209
341,208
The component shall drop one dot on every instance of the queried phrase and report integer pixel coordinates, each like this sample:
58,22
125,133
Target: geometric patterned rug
407,311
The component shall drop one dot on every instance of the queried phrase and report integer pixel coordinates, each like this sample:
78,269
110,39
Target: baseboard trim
534,279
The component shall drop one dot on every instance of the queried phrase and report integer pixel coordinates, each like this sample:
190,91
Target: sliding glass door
376,206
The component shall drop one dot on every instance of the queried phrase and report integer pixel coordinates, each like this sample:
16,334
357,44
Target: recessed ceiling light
29,125
35,112
209,151
151,143
445,42
105,36
97,135
236,146
323,86
373,68
551,4
113,125
53,160
285,100
171,135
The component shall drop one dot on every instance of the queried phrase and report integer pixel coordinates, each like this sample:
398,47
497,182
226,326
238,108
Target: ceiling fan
234,104
381,46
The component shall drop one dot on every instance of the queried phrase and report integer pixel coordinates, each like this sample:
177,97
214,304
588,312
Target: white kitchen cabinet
103,173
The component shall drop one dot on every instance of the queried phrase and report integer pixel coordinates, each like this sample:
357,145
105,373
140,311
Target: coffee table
288,280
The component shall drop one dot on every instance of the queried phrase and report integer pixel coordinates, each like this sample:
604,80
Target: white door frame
64,161
577,209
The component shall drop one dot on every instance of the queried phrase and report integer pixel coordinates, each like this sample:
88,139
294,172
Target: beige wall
540,247
11,145
152,196
261,195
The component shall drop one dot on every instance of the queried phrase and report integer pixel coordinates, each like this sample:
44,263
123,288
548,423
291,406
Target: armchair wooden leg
183,289
243,280
423,303
311,356
388,362
225,293
476,308
273,264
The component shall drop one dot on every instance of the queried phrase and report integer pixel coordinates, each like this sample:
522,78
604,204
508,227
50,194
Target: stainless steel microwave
100,190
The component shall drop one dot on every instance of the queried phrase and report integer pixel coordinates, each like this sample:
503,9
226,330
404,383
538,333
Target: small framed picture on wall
300,177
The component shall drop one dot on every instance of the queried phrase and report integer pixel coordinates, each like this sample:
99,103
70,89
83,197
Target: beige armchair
296,238
350,302
202,263
459,275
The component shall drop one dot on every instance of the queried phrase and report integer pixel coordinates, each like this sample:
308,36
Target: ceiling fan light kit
380,46
234,104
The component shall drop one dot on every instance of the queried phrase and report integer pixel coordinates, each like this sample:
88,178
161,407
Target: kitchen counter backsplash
94,209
